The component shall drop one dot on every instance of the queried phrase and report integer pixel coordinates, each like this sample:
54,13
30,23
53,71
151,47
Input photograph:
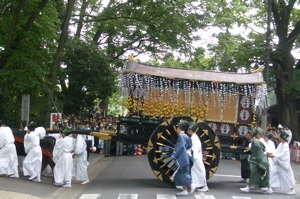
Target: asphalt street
125,177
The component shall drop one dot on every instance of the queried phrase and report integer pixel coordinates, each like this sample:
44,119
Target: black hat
193,126
252,133
31,126
183,125
269,136
256,131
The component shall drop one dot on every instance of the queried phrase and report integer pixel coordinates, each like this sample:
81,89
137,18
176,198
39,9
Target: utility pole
267,63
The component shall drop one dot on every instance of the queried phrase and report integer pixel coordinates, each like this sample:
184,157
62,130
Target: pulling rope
45,152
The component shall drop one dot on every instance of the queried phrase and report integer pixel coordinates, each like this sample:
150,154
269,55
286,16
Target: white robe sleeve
271,147
58,149
2,137
27,143
7,136
41,131
80,146
196,147
282,156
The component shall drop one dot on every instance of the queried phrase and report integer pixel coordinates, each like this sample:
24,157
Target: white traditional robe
271,149
80,160
262,140
62,157
32,163
284,174
8,153
290,136
198,171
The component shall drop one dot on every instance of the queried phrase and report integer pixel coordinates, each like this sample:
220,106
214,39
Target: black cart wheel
162,143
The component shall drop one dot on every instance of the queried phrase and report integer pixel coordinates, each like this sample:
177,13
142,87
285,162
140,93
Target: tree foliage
73,69
87,76
26,48
69,51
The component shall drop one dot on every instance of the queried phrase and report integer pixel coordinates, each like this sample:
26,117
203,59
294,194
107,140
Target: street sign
103,106
55,118
25,108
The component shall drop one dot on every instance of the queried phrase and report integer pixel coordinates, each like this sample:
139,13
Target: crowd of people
268,164
95,121
272,132
70,151
264,165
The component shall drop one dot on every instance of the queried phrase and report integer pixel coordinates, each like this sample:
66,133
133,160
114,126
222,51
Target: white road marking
165,196
203,196
128,196
158,196
232,176
90,196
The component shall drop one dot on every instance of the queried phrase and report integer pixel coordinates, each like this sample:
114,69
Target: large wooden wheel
162,143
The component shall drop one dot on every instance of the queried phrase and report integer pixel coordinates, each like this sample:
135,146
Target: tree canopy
70,52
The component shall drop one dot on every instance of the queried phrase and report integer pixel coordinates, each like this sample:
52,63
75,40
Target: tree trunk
59,54
283,62
286,101
83,8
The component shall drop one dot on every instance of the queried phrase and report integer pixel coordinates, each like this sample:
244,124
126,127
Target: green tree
234,50
287,29
27,44
87,76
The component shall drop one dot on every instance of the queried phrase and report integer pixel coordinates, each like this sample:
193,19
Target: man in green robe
259,164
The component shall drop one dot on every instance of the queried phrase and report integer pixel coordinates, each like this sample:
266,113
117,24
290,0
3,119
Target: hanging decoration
157,96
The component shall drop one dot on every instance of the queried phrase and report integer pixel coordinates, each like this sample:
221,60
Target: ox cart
156,98
221,104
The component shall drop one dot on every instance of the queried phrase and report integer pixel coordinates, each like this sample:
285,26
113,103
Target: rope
45,152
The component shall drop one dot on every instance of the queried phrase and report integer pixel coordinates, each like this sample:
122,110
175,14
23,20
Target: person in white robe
80,160
287,130
270,150
284,174
259,136
63,159
8,153
198,171
32,163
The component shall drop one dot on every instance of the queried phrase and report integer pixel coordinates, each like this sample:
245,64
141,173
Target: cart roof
194,75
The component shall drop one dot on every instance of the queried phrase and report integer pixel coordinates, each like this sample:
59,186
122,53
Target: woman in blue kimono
183,158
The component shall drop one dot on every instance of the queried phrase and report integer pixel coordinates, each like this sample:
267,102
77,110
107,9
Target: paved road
130,177
133,176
